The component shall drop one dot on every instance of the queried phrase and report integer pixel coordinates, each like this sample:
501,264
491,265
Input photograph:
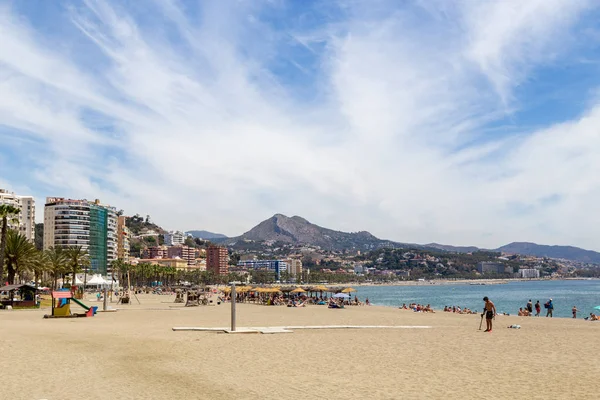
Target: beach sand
134,354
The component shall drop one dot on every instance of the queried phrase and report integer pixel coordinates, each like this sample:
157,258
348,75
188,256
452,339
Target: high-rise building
123,237
174,238
82,223
217,260
26,217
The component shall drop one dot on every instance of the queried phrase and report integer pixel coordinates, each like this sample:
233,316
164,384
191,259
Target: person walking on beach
490,312
538,308
574,310
549,308
530,307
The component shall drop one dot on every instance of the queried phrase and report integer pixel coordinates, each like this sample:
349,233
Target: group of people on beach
417,307
458,310
527,311
549,306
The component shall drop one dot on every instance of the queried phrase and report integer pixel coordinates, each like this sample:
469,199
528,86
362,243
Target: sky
456,122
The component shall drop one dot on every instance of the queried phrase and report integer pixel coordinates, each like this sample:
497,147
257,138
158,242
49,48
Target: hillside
540,250
206,235
454,249
299,231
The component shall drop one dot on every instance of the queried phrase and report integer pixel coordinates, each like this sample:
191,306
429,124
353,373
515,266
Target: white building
26,217
528,273
294,266
173,238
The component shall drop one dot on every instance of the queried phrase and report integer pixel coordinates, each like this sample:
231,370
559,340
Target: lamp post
233,296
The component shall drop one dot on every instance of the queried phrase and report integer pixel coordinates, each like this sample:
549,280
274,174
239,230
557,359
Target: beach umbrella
320,288
342,295
298,290
348,290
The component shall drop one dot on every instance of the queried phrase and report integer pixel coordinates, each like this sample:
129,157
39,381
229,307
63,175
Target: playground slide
81,304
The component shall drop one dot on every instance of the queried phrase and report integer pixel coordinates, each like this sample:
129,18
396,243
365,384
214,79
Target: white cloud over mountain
415,123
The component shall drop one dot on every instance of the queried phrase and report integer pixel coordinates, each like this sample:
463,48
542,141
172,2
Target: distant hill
540,250
454,249
298,230
206,235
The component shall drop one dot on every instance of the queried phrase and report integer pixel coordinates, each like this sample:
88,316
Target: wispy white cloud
194,118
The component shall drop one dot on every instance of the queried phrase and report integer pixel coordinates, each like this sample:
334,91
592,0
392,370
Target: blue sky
459,122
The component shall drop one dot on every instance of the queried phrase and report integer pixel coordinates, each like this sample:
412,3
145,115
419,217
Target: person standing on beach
490,312
538,308
550,308
530,307
574,310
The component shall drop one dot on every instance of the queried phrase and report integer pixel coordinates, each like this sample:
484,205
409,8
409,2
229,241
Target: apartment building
528,273
217,260
123,238
174,238
26,217
155,252
484,267
294,266
276,266
83,223
184,252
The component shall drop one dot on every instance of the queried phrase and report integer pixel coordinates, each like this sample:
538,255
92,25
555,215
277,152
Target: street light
233,296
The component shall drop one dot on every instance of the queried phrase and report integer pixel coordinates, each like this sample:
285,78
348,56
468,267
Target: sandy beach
134,354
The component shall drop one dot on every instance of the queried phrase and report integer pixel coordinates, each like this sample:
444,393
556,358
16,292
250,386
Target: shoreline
491,281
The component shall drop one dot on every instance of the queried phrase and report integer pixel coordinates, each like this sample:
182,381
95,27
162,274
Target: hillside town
119,247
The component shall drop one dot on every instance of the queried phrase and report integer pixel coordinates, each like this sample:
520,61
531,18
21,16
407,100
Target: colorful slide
81,304
89,311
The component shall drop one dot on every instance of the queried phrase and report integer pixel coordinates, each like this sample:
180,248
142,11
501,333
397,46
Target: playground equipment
126,298
61,306
192,299
178,296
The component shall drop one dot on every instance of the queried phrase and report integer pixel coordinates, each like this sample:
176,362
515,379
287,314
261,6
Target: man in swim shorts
490,312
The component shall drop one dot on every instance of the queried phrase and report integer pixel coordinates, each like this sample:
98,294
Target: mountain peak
300,219
300,231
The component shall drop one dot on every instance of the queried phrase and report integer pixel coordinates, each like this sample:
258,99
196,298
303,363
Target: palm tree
77,257
117,265
19,254
57,262
8,214
124,269
39,264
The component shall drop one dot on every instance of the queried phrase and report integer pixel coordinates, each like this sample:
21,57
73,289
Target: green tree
285,276
57,263
39,236
77,257
38,265
117,265
234,258
19,253
8,214
190,242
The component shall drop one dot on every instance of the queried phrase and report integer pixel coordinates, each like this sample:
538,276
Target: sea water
508,297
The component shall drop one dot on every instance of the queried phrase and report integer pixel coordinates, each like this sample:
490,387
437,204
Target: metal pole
105,300
233,307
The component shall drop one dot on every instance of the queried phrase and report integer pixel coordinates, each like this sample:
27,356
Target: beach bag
546,305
